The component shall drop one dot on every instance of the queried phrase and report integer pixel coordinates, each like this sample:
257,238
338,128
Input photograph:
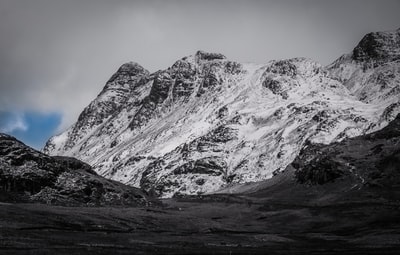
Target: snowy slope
207,122
372,72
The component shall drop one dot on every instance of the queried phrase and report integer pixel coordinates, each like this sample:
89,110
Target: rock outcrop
371,160
31,176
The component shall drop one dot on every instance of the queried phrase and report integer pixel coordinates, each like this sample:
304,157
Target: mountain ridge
206,121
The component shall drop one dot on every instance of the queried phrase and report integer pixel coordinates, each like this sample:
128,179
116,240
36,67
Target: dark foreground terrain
221,224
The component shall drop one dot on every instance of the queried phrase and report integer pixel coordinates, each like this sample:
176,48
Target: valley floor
218,224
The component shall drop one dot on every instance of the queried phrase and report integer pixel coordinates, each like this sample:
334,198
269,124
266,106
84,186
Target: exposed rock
372,159
28,175
275,86
223,112
372,71
378,46
159,92
202,55
125,87
209,166
319,171
283,67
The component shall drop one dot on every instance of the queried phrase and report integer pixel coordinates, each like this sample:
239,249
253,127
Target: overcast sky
55,56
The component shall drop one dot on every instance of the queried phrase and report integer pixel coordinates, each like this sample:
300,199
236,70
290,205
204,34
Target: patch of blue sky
32,128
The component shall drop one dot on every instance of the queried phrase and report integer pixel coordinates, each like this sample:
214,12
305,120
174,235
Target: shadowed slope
29,175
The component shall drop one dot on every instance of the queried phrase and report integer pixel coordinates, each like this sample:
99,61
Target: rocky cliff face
378,47
371,160
372,72
31,176
207,122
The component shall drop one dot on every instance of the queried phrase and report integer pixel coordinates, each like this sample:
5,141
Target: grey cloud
57,55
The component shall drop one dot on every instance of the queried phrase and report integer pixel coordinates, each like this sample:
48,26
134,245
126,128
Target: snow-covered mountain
207,122
372,72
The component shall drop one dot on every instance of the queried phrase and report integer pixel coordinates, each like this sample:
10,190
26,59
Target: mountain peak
132,68
378,46
128,69
202,55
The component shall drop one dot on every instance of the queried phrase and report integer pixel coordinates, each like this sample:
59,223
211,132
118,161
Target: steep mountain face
31,176
372,71
362,168
371,160
207,122
125,89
